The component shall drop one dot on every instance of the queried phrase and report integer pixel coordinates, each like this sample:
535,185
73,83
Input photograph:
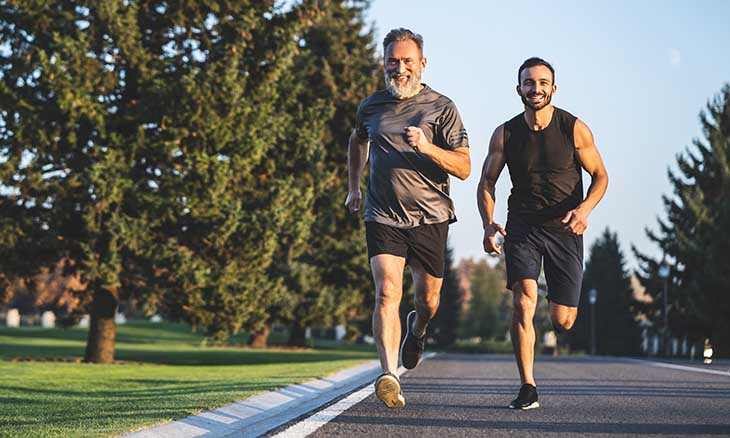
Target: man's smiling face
536,87
403,67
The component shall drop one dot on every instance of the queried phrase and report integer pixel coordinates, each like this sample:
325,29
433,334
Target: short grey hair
402,34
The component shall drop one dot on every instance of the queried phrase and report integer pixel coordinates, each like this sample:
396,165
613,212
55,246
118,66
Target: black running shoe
412,349
527,399
387,389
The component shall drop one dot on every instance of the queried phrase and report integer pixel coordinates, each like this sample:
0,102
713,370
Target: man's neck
540,119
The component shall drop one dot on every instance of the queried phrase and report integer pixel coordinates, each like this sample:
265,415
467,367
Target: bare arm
357,156
492,168
590,159
456,162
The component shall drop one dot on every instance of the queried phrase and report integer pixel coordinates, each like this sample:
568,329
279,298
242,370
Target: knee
524,307
388,294
562,324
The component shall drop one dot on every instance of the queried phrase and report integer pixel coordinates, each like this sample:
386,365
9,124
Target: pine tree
617,332
694,238
69,153
328,280
240,145
444,326
141,141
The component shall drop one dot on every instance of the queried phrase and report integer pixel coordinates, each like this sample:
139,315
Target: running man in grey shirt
414,139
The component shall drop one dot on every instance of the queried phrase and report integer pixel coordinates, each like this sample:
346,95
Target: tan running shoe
387,389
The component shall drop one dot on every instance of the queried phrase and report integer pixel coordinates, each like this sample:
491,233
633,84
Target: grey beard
409,89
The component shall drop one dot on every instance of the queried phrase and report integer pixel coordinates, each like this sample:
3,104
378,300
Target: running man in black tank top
545,149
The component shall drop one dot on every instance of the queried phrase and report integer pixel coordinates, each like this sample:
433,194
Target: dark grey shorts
424,245
560,252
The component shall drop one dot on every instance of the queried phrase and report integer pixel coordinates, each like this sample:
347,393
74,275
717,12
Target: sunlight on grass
169,375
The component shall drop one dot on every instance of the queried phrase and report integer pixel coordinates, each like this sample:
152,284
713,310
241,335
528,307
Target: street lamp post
592,297
664,275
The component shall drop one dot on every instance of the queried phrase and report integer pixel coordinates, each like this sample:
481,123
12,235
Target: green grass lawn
170,376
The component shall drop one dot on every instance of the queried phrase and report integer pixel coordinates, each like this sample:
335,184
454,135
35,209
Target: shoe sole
408,332
525,408
387,389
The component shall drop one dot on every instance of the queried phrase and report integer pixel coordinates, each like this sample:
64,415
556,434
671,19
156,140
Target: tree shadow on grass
233,356
134,333
163,389
160,399
187,356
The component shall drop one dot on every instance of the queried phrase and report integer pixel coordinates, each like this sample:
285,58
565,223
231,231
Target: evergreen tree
328,280
694,238
240,145
445,325
68,153
617,332
140,140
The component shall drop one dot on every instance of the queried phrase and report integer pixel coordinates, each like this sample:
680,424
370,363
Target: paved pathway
466,395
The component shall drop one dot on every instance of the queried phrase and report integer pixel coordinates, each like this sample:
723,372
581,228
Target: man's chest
388,123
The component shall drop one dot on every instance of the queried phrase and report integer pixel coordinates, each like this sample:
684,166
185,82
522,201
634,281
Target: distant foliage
617,332
445,325
489,307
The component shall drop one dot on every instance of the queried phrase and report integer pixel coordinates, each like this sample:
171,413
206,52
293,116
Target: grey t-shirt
406,188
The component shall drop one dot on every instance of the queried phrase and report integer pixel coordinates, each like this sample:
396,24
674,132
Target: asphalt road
467,395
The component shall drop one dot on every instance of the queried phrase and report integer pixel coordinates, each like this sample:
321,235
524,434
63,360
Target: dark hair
531,62
402,34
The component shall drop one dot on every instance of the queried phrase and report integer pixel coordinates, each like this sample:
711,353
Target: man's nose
401,67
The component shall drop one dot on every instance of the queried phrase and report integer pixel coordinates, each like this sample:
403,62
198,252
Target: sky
638,73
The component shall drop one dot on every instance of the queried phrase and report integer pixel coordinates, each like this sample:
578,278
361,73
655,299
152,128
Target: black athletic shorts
424,245
527,246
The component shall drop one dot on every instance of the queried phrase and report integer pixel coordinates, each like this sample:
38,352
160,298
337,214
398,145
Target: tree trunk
259,338
297,334
102,328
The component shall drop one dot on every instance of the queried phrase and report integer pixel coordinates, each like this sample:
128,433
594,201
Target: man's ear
517,89
424,61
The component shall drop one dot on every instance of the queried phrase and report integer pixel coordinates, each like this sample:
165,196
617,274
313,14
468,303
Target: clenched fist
415,137
354,198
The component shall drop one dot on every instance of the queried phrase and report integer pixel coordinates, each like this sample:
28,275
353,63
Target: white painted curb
261,413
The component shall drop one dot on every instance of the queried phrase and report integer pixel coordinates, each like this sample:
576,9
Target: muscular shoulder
496,143
583,137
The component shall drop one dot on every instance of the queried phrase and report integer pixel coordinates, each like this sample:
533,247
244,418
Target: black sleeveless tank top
544,168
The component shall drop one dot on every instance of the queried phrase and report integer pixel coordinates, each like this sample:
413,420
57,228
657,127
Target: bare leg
523,330
388,275
427,295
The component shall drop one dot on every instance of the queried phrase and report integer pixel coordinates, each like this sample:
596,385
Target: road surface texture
467,395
